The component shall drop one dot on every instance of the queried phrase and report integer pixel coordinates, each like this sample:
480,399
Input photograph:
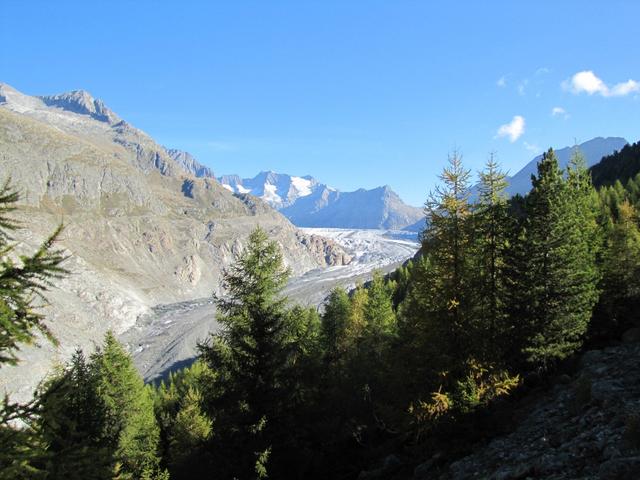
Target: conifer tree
335,325
620,298
130,426
252,360
190,431
492,226
380,319
24,279
558,284
71,421
442,303
23,282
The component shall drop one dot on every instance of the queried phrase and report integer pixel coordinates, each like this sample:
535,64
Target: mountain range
141,228
308,203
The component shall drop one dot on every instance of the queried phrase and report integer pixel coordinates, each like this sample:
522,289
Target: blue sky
355,93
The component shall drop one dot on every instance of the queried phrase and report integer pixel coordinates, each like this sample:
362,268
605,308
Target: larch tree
492,226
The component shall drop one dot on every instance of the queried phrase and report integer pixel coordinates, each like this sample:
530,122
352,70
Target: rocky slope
309,203
586,427
140,228
581,424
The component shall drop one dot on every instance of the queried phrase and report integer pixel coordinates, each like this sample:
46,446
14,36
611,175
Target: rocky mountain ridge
592,150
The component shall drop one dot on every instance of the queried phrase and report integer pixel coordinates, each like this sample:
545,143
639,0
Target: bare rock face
136,237
325,250
82,102
190,164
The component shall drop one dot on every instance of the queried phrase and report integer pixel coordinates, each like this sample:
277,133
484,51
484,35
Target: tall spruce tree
252,360
558,285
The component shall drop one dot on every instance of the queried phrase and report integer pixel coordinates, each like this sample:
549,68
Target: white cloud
587,82
513,129
502,82
559,112
625,88
542,71
533,148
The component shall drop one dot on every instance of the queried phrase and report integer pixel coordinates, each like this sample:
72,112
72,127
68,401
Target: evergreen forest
503,292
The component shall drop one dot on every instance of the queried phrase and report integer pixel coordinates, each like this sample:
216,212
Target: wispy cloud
559,112
587,82
522,86
502,81
533,148
514,129
543,71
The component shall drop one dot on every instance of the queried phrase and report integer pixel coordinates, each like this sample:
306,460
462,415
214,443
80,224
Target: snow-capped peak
302,186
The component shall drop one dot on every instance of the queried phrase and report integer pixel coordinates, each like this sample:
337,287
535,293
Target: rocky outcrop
80,101
325,250
586,427
190,164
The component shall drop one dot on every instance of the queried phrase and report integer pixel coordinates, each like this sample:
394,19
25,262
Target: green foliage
499,288
618,167
257,387
336,325
379,317
492,225
23,450
185,429
23,282
437,315
620,299
72,421
97,419
130,426
556,283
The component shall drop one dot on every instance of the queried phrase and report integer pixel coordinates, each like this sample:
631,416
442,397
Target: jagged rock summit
80,101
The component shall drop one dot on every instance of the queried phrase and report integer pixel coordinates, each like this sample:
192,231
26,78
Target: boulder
632,335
